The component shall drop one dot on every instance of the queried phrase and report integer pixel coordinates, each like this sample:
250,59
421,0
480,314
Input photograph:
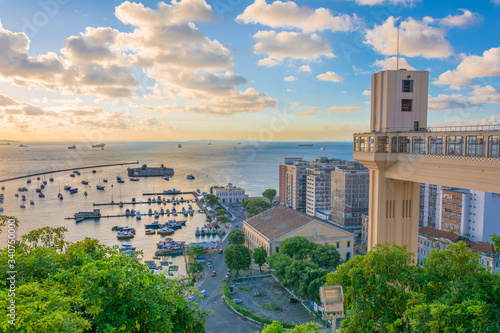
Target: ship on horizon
305,145
100,145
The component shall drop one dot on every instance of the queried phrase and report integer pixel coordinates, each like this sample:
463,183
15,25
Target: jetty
69,169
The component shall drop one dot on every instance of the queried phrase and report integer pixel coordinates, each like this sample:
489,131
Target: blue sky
233,69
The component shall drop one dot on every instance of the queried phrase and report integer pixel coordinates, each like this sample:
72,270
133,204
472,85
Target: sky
180,70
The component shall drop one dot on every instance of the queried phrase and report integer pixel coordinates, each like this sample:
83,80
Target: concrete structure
318,193
484,215
431,238
349,197
230,194
283,176
401,153
270,228
364,232
144,171
430,204
454,211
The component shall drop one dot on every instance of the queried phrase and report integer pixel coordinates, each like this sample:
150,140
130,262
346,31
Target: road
224,319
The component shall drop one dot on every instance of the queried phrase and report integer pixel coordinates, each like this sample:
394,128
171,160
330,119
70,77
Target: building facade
270,228
454,211
230,194
349,197
430,204
285,162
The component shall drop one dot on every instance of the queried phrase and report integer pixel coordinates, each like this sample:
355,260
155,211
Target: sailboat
59,195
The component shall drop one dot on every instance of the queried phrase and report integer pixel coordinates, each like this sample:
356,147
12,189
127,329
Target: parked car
293,300
214,273
237,300
209,265
220,251
228,275
190,299
203,293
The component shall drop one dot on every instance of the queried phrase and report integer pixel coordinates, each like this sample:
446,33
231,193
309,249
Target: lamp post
332,301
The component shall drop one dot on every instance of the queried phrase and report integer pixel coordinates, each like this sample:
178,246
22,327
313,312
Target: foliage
295,270
310,281
195,251
325,255
89,287
385,292
279,262
277,327
224,219
256,206
495,239
194,268
259,256
245,288
296,247
219,211
237,257
269,194
4,219
211,200
236,237
271,306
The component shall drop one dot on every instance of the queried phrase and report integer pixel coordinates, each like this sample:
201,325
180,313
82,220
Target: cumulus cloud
471,67
391,64
290,78
288,15
367,92
387,2
417,38
294,45
334,109
466,19
445,102
304,68
330,76
484,95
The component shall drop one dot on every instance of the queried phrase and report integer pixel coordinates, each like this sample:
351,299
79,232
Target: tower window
406,105
408,86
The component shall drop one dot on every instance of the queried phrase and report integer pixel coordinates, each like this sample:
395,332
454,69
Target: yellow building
270,228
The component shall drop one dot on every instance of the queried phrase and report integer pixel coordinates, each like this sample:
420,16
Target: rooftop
433,232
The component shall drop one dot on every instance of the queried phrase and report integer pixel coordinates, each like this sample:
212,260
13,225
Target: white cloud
367,92
417,38
391,64
387,2
484,95
330,76
466,19
282,45
445,102
334,109
288,15
290,78
479,95
304,68
472,67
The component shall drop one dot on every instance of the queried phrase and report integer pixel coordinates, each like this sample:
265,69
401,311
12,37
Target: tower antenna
397,56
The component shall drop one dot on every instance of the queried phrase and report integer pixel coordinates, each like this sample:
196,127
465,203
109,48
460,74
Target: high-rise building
285,162
296,185
484,215
430,204
350,193
454,211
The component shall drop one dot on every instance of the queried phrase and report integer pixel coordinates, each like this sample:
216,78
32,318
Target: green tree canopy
211,200
279,262
259,256
276,327
194,268
195,251
325,255
224,219
385,291
269,194
236,237
89,287
495,239
237,257
296,247
256,206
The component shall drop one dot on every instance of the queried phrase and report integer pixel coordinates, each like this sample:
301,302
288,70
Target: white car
237,300
203,293
190,299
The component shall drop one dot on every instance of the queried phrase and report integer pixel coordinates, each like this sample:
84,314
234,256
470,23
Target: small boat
166,178
94,171
95,214
157,215
76,172
100,145
51,179
190,177
197,232
72,147
73,191
127,212
16,195
138,215
134,179
150,232
178,146
120,204
23,146
23,197
72,175
105,180
127,247
121,181
44,182
32,202
84,182
37,178
67,187
22,206
150,211
1,209
100,187
59,195
165,231
153,225
162,212
167,212
125,235
79,219
153,201
28,181
85,193
133,200
41,195
322,148
3,188
42,186
132,212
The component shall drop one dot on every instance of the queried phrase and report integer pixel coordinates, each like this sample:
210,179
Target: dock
161,193
135,203
64,170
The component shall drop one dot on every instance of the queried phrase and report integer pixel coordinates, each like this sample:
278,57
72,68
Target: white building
230,194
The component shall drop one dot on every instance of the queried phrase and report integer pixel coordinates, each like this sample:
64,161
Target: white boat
138,215
134,179
166,178
125,235
165,231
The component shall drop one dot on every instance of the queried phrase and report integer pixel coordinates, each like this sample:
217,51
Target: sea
254,166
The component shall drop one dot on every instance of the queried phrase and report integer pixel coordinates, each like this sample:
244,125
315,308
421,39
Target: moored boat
125,235
150,232
165,231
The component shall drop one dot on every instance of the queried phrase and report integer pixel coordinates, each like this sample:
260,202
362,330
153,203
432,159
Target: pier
64,170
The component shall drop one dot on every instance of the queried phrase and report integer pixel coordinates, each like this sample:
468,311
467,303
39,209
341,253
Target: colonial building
230,194
270,228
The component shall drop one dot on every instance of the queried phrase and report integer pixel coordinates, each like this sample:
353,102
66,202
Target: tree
211,200
276,327
495,239
385,291
236,237
256,206
325,255
295,270
279,262
224,219
47,236
260,256
296,247
195,251
310,282
269,194
219,211
237,257
89,287
194,268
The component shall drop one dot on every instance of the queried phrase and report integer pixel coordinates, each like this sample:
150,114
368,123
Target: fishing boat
84,182
100,145
85,193
73,191
125,235
165,231
41,195
121,181
60,196
72,147
197,232
138,215
134,179
150,232
79,219
153,225
190,177
127,247
100,187
127,212
305,145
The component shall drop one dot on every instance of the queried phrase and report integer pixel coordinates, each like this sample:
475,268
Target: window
338,245
454,145
419,145
436,145
408,86
475,146
277,249
494,146
348,244
382,144
404,144
406,105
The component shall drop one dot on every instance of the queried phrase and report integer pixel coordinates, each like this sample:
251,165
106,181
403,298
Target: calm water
253,166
